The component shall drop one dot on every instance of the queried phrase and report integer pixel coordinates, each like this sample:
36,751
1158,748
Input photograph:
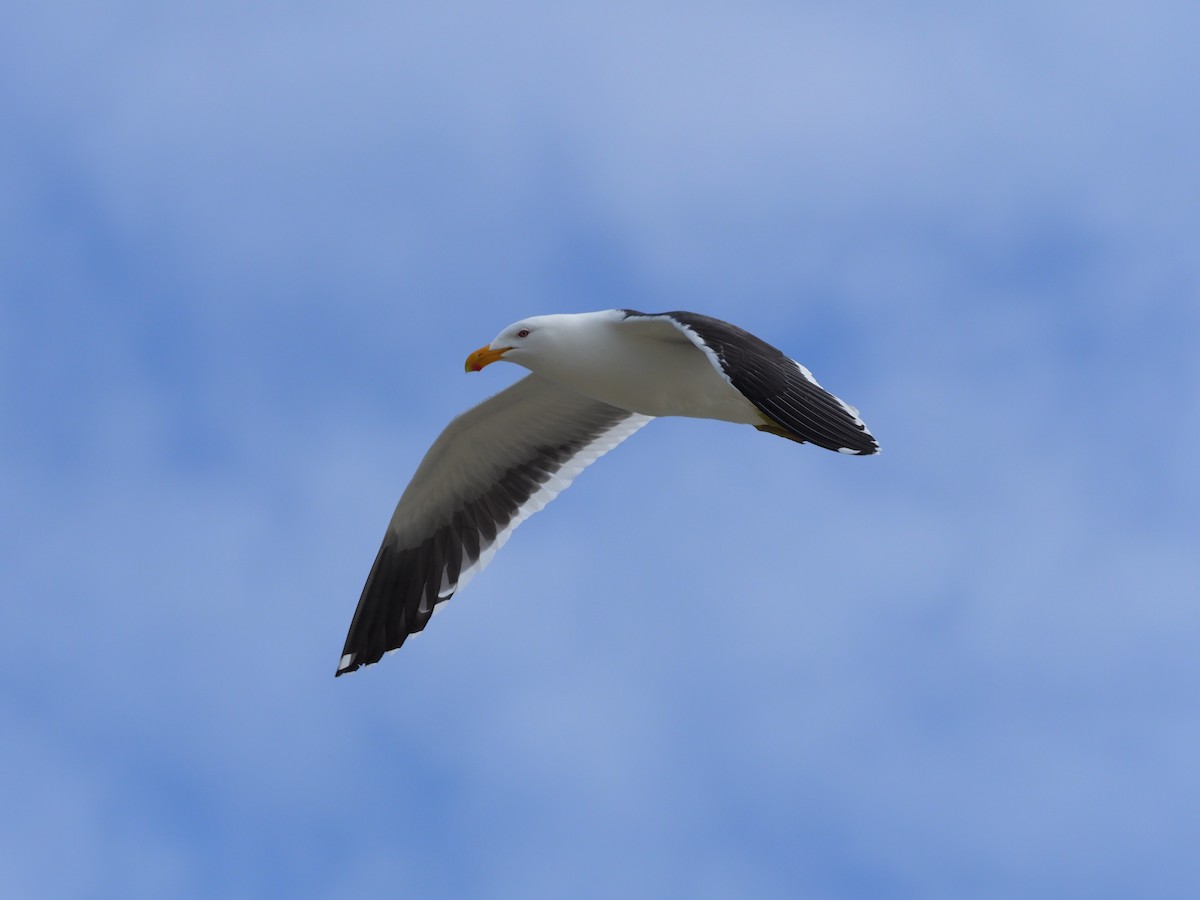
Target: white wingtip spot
804,370
849,451
853,411
347,662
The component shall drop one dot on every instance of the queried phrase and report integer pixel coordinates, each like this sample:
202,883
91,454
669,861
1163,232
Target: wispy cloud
243,255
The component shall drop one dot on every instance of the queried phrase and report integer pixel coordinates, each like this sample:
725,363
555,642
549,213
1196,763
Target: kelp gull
596,379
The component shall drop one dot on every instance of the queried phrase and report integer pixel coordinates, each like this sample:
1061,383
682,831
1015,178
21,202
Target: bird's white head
529,342
511,345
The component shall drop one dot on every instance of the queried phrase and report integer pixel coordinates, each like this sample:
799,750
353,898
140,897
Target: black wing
493,466
782,389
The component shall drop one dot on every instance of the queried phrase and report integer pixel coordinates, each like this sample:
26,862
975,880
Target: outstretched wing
783,390
493,467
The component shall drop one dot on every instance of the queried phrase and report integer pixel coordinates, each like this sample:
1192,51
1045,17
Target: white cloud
244,257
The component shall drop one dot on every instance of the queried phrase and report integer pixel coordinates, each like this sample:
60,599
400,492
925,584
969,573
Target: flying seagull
596,379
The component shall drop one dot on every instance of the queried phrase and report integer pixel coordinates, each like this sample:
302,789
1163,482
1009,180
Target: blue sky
244,250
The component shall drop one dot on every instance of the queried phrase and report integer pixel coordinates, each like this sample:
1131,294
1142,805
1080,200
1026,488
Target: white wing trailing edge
488,471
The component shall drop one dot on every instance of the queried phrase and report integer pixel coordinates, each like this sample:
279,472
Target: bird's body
645,365
597,378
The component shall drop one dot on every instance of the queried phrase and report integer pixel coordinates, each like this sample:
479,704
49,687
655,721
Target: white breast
643,374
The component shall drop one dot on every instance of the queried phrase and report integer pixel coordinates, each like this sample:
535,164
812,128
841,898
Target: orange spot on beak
484,356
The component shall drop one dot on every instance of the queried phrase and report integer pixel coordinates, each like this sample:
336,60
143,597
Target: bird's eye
524,332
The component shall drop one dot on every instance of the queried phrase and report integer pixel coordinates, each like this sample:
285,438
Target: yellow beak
484,356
